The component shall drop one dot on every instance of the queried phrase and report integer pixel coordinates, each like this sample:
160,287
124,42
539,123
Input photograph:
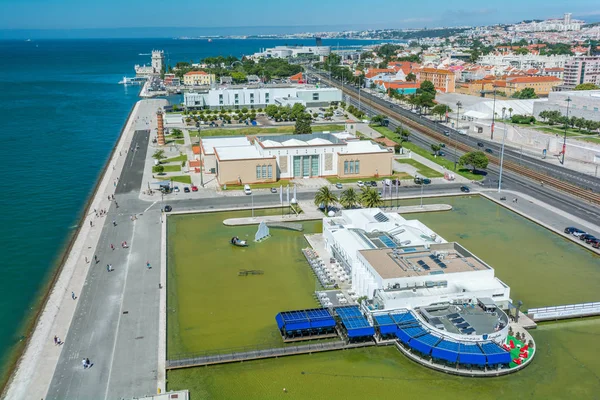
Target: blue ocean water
61,111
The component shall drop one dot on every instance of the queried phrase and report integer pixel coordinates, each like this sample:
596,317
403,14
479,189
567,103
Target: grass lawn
168,168
179,178
258,186
180,158
449,165
422,170
254,130
399,175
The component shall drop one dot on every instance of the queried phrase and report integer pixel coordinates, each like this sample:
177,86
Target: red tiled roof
196,73
532,79
297,77
385,141
196,149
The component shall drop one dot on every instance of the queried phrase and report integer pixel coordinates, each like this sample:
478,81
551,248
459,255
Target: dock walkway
555,313
262,353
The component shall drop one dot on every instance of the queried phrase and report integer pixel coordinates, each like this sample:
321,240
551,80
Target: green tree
159,169
476,159
527,93
436,148
411,77
522,51
349,198
370,198
177,133
586,86
303,124
325,198
159,155
378,120
238,76
441,110
427,87
271,110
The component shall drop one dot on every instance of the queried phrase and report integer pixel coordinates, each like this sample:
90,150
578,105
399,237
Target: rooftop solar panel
442,265
355,323
384,320
348,312
380,217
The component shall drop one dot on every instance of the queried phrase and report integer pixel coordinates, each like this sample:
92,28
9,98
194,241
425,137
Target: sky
105,17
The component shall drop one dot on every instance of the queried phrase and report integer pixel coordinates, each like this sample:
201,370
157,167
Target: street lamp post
493,113
568,100
201,165
501,159
458,106
422,193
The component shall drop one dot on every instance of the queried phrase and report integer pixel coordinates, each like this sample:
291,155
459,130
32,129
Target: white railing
565,311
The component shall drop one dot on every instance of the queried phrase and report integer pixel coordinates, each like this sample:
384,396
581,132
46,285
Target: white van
247,189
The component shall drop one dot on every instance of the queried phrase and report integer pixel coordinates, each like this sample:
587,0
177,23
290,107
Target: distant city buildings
524,61
583,69
442,79
292,52
560,24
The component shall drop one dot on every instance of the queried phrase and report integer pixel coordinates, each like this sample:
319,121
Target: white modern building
566,23
582,104
292,51
524,61
399,263
257,96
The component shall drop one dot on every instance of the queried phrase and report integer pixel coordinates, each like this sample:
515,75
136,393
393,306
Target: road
565,174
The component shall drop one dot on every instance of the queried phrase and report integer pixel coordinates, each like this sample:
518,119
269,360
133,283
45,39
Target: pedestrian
114,223
109,198
87,361
116,204
55,340
96,258
86,260
84,363
148,264
516,200
73,295
90,223
112,247
58,341
95,211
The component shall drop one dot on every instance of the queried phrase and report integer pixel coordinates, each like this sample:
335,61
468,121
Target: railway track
541,178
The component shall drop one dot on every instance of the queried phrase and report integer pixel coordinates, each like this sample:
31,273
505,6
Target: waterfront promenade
122,352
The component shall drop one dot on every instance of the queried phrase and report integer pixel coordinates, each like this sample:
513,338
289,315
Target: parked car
586,236
176,189
596,245
447,133
360,184
247,189
441,153
480,144
186,189
488,150
578,233
338,185
442,145
418,180
273,190
386,182
571,230
465,189
194,188
168,208
373,183
426,181
592,240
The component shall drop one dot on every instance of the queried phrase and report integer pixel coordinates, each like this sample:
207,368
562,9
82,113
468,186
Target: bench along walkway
262,353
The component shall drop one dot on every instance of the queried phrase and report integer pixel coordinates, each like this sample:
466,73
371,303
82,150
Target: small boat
237,242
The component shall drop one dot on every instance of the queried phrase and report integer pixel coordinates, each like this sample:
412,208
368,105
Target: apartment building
583,69
442,79
198,78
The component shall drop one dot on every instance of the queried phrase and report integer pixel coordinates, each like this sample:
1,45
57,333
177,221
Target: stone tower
160,132
158,61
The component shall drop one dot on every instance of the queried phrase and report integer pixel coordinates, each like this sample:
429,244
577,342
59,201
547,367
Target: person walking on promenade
87,361
112,247
84,363
55,340
96,258
86,260
90,223
73,295
114,223
148,265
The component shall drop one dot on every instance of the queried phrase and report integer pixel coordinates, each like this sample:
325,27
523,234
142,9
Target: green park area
422,170
449,165
211,308
253,130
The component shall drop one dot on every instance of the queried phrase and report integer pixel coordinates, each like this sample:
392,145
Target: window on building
269,171
220,99
315,96
585,107
345,167
357,167
264,171
258,172
351,171
595,109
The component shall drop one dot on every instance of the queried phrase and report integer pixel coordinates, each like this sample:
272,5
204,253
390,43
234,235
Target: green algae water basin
565,367
210,307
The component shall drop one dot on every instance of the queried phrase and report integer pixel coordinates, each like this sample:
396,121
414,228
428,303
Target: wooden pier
257,354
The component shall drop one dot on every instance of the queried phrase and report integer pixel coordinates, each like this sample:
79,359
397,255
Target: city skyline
112,19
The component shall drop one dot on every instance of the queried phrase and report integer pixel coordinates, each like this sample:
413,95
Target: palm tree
349,198
369,198
510,110
325,198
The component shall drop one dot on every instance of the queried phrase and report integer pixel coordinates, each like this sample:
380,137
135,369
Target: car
446,133
338,185
186,189
168,208
273,190
176,189
441,153
373,183
479,144
596,245
579,233
360,184
586,236
194,188
488,150
442,145
426,181
571,230
247,189
465,189
418,180
592,240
